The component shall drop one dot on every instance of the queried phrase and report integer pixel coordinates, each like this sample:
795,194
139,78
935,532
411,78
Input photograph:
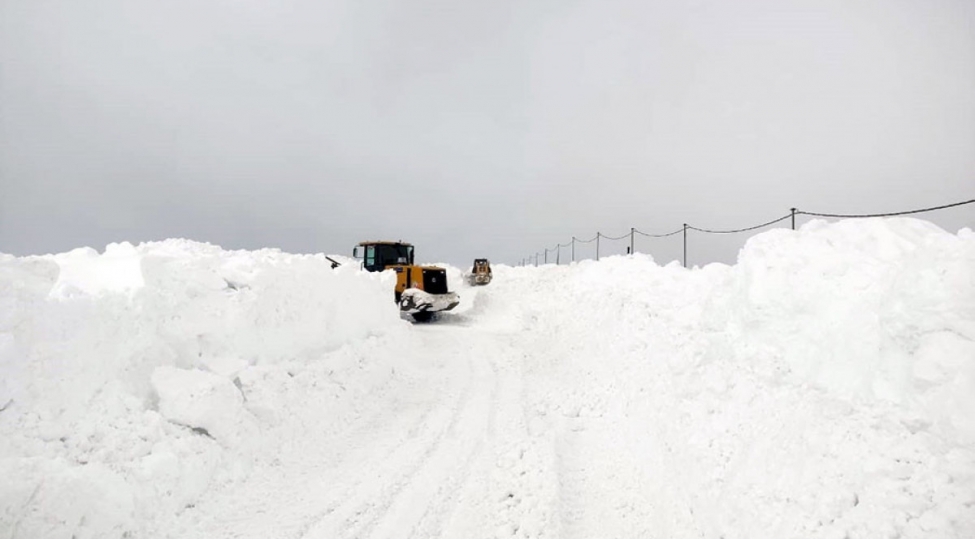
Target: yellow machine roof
384,242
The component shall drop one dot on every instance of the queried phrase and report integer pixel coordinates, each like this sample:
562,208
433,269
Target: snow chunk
203,401
84,271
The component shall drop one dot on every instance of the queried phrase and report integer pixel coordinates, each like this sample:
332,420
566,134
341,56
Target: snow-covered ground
823,386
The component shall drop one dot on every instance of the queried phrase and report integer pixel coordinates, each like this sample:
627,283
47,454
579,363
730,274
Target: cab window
370,256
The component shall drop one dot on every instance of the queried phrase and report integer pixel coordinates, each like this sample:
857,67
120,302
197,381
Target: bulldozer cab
377,256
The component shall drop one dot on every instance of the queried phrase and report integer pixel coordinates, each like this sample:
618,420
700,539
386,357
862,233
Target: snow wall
136,378
822,386
836,362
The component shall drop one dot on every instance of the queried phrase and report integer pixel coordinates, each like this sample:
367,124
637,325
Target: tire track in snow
448,497
508,493
431,522
356,509
418,469
603,485
298,484
397,505
379,451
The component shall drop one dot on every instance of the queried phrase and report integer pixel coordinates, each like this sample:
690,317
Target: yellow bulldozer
480,273
421,291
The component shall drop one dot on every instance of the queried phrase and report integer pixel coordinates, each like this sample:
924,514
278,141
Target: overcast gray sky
479,128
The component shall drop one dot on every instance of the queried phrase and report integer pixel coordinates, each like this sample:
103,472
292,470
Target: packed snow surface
822,386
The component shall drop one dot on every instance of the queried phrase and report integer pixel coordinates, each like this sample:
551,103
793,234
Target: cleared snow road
450,458
474,444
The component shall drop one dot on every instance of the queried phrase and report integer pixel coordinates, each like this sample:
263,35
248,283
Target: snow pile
131,377
821,386
877,310
84,272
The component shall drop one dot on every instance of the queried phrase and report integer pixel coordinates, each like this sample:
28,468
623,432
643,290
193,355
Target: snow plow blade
478,279
417,301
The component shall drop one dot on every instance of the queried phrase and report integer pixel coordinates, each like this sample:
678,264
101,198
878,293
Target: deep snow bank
821,386
134,379
876,310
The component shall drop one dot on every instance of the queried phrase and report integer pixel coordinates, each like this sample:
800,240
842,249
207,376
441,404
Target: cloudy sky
474,128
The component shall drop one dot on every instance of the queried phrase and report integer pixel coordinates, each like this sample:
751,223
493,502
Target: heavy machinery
421,291
480,273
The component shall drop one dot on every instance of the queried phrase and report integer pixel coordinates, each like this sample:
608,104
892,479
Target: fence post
573,249
597,245
631,240
793,219
685,245
558,254
546,255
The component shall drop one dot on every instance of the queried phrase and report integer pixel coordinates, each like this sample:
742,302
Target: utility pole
685,245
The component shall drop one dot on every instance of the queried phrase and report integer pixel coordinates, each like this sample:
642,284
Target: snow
821,386
204,401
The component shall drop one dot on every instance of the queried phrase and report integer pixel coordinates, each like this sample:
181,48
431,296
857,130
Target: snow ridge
819,387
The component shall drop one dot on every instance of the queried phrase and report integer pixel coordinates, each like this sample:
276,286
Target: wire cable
792,214
746,229
889,214
678,231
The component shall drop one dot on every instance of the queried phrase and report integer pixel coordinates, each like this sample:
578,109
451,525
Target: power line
678,231
889,214
791,215
746,229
